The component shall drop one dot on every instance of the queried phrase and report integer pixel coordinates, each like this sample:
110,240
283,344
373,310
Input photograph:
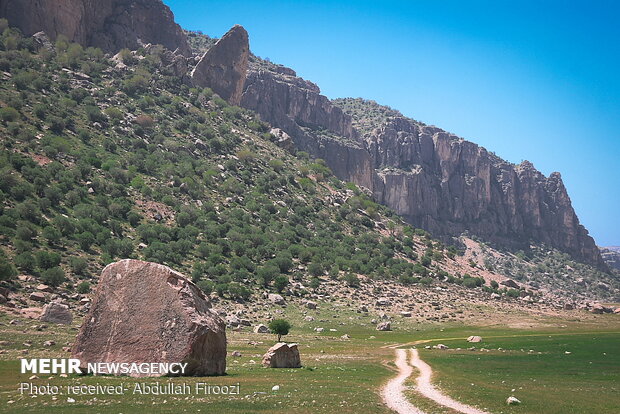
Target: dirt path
426,388
394,397
393,392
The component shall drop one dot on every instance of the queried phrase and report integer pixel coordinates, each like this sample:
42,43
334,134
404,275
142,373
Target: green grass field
346,375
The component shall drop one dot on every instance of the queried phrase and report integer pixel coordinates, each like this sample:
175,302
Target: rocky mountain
108,24
435,180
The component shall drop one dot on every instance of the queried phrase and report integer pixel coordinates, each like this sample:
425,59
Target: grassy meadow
346,375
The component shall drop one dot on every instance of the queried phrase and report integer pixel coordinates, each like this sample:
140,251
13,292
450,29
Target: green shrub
7,270
52,235
25,261
8,114
83,287
53,276
352,280
78,265
47,260
207,286
280,283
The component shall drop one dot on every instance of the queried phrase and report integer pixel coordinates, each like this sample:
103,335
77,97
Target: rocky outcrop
146,312
55,312
446,185
611,256
108,24
315,125
286,101
433,179
224,66
282,355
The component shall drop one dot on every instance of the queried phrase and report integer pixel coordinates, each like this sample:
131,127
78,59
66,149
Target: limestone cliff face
446,185
281,97
224,66
108,24
314,123
611,256
435,180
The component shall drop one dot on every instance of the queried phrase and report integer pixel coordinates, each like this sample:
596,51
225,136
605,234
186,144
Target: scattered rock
384,326
260,328
509,283
383,302
282,355
236,354
512,401
474,339
276,299
275,388
55,312
37,296
310,305
44,288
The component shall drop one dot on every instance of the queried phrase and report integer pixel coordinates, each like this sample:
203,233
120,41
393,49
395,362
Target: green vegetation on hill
101,163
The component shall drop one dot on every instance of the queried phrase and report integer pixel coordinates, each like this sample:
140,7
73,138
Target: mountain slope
102,161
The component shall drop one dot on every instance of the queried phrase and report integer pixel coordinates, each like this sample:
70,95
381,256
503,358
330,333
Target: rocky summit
144,312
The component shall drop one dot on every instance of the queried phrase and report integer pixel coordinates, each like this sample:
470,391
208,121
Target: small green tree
279,327
280,283
54,276
7,270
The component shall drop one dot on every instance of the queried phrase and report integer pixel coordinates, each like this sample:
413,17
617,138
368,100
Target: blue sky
536,80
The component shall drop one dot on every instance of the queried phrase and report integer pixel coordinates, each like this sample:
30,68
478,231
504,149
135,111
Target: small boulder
384,326
474,339
512,401
405,314
310,305
282,355
442,346
55,312
510,283
37,296
44,288
260,328
276,299
383,302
